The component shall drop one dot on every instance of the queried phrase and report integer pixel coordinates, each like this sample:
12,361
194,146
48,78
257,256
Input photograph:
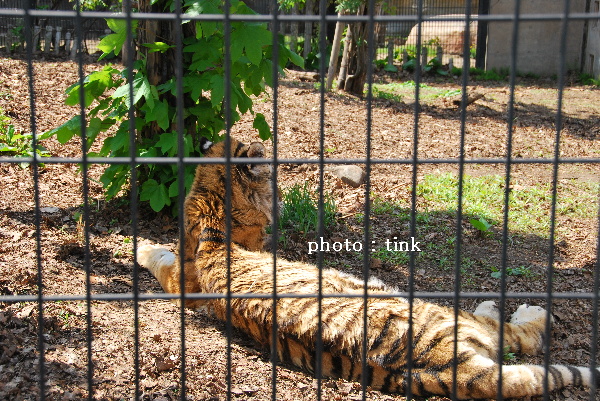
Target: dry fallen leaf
164,363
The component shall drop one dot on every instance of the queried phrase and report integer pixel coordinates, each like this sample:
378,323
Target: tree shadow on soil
529,115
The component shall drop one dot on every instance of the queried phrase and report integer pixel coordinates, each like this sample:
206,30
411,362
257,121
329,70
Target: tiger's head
251,191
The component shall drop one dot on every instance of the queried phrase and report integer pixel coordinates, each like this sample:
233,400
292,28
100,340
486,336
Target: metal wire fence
415,162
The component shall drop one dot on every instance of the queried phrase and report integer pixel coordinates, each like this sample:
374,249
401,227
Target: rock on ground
349,174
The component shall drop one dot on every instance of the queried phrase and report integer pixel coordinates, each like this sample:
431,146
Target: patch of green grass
529,207
524,271
588,79
381,206
396,91
299,210
482,208
390,256
450,93
412,52
399,91
380,94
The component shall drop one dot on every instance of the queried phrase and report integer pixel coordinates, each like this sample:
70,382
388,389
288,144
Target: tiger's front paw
153,257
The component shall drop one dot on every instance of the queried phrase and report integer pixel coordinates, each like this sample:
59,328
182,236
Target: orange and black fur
251,272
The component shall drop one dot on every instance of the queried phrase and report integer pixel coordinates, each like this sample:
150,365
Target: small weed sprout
508,356
482,225
15,143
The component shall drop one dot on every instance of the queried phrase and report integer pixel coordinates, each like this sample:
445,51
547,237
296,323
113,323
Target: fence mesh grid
515,19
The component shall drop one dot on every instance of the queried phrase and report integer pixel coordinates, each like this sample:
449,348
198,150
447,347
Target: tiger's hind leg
530,314
525,332
489,309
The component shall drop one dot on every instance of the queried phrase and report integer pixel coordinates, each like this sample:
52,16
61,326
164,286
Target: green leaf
267,71
147,152
481,224
174,188
156,193
190,172
249,38
141,88
113,179
240,99
261,124
167,142
117,145
286,54
390,68
195,84
158,47
67,130
217,92
115,41
195,8
160,114
94,128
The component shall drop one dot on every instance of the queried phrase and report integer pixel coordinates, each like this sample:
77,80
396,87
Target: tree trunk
335,50
308,27
294,30
161,67
358,56
345,60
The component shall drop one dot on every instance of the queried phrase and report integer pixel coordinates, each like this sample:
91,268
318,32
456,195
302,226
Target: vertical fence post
9,39
439,54
47,39
404,56
424,58
36,38
74,47
390,58
68,42
57,39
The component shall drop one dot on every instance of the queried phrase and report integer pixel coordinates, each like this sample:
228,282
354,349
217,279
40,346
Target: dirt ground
68,325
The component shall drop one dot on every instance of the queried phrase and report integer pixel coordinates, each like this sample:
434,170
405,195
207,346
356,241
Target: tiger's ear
256,149
205,145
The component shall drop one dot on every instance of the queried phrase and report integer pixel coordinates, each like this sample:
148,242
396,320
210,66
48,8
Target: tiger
450,353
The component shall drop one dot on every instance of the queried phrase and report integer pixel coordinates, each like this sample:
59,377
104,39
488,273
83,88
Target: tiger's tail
517,381
529,380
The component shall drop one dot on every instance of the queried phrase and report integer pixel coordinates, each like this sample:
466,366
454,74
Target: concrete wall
538,41
592,52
